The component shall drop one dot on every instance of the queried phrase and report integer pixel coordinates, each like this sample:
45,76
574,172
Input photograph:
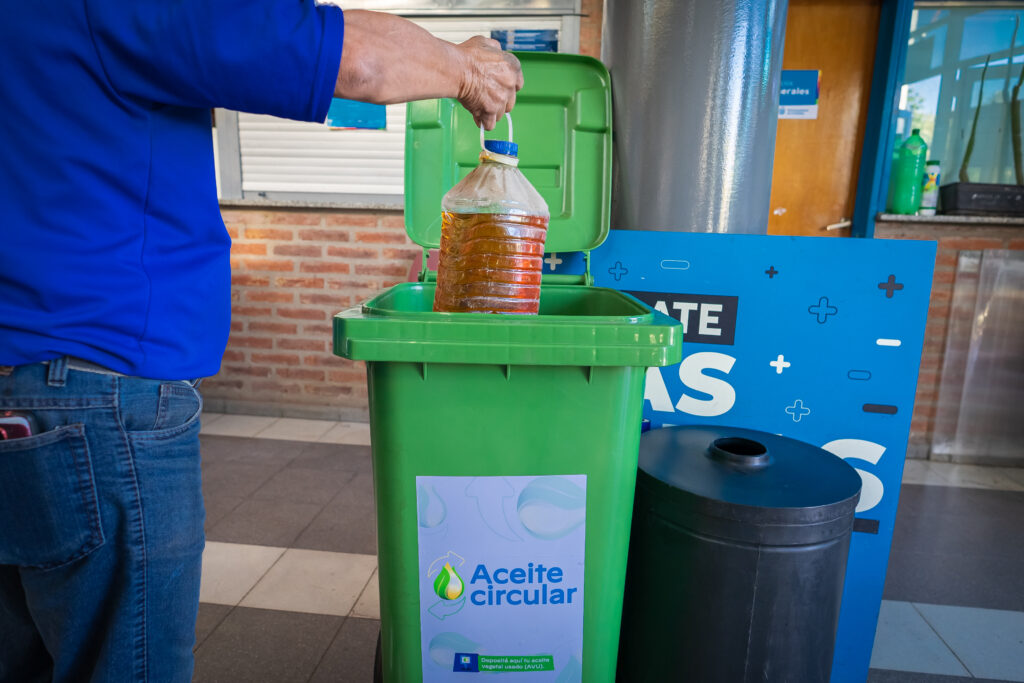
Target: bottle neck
493,157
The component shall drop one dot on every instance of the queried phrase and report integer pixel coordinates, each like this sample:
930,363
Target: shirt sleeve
277,57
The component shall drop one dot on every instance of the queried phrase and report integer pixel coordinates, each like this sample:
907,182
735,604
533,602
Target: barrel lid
749,478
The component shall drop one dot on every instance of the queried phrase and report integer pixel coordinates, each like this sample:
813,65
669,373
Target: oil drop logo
448,585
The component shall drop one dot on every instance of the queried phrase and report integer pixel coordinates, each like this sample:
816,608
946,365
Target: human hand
491,78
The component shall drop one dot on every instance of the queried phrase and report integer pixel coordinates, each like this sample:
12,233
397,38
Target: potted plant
965,198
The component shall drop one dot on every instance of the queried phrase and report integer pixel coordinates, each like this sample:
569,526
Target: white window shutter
281,157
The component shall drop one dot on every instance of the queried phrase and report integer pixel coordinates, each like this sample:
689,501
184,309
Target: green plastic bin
505,447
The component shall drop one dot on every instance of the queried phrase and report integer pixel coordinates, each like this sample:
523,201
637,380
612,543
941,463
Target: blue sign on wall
528,40
798,94
351,114
818,339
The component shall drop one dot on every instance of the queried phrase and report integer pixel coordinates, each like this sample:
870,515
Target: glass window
946,56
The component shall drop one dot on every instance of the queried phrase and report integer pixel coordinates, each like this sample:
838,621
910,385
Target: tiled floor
950,640
287,428
965,476
290,586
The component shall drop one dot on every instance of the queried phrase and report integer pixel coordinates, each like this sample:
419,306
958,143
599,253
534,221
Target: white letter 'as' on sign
871,486
723,396
656,392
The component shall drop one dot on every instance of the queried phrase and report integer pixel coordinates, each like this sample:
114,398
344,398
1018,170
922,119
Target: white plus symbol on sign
553,260
798,410
780,364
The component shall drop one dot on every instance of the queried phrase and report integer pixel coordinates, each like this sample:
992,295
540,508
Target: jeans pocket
49,515
178,406
167,469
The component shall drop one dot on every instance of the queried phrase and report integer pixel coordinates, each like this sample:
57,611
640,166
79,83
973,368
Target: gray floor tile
248,450
218,507
304,485
929,501
265,646
952,534
209,619
348,523
905,642
235,479
952,546
329,456
947,520
989,642
350,657
359,491
342,529
262,522
956,579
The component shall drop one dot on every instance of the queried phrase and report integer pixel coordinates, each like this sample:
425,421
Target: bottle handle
509,118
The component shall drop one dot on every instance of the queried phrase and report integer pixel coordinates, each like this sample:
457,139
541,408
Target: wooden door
816,161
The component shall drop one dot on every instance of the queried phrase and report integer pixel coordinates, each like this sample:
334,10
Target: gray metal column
695,88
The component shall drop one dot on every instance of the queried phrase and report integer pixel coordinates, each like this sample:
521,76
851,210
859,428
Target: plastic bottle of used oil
492,237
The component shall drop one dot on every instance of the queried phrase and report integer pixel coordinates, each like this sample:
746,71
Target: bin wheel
378,664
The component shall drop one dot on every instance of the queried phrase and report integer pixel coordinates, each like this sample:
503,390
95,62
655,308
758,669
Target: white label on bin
501,577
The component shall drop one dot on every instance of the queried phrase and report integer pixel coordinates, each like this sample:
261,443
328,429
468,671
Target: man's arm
386,59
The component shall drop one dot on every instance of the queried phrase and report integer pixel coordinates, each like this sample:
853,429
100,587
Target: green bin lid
562,123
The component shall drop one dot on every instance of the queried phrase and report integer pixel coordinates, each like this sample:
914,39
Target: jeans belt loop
57,375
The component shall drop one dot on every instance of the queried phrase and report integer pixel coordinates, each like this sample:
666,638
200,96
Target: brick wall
291,272
590,27
952,239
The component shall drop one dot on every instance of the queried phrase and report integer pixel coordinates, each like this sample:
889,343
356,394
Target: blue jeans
101,527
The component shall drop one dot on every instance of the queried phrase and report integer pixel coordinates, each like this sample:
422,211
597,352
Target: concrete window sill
942,219
306,204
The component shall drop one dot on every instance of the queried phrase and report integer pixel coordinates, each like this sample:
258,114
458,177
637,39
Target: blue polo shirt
112,247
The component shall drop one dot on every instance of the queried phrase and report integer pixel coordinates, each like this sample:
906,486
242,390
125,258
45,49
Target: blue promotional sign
501,563
818,339
528,40
799,93
351,114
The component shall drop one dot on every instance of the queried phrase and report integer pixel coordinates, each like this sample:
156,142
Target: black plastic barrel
737,558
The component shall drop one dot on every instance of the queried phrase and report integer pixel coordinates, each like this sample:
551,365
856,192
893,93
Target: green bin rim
640,337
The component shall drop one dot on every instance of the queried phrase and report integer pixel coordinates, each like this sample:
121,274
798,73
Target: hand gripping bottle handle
507,149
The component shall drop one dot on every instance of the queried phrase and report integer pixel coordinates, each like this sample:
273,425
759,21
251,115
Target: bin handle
509,118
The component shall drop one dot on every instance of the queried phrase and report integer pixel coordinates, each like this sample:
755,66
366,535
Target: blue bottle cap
502,147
